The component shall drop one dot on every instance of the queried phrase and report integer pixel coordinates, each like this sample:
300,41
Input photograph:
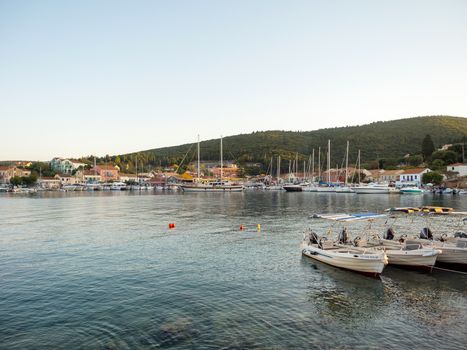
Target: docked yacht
373,188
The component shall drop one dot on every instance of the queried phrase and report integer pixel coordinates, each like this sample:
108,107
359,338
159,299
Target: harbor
103,270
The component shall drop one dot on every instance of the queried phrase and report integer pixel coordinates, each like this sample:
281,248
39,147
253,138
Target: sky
111,77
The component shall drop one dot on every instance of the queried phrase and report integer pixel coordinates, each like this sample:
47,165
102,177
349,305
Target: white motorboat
69,188
411,190
453,249
118,186
372,189
368,262
274,188
403,253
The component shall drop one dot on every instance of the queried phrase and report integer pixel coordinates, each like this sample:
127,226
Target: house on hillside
67,179
231,170
89,176
128,177
107,172
412,177
65,166
9,171
459,168
49,183
390,175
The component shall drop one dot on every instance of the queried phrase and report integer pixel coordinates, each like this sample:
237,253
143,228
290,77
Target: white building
65,166
412,176
459,168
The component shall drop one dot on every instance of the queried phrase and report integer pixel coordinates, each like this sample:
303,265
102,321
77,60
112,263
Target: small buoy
259,227
241,228
171,225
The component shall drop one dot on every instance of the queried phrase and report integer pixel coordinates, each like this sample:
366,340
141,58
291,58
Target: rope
455,271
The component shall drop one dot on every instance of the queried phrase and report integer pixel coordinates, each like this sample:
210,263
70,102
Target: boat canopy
349,217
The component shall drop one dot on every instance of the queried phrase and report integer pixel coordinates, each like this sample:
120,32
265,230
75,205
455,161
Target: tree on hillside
427,147
448,157
432,177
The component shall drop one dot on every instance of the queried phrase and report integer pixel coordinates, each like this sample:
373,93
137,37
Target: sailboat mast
278,168
222,159
313,166
296,164
136,168
329,162
198,160
304,170
346,163
319,164
359,166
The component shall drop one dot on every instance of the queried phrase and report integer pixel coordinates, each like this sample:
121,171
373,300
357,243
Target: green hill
379,140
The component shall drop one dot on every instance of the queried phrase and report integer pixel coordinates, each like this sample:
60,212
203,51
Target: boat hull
371,190
371,265
212,188
413,259
293,188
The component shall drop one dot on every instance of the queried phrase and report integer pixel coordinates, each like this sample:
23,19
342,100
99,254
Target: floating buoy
259,227
171,225
241,228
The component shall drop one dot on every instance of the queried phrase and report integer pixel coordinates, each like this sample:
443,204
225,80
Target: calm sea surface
102,271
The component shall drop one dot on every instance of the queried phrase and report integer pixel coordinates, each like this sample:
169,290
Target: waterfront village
73,175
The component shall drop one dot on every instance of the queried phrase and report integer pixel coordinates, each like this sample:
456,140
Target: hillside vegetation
380,140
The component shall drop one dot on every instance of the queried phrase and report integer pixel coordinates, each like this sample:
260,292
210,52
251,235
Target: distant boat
292,188
411,189
218,186
69,188
372,189
118,186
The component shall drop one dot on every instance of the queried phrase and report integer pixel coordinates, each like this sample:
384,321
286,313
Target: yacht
372,188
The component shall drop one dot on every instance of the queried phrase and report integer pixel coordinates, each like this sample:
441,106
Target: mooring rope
455,271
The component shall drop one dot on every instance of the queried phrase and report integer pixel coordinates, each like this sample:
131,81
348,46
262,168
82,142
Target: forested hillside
389,140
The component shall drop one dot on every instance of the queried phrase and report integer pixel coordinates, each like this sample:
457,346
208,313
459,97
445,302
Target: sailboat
217,186
277,186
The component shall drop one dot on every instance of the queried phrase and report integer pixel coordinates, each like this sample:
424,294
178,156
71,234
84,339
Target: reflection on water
103,271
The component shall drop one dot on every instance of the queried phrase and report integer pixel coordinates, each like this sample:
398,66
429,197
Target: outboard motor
426,233
389,235
343,236
460,234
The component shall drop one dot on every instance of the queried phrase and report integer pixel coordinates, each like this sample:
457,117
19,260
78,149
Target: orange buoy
171,225
241,228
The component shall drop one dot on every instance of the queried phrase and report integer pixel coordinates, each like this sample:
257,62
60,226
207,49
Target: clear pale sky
110,77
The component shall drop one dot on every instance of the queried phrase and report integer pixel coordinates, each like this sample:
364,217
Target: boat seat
327,245
362,243
412,245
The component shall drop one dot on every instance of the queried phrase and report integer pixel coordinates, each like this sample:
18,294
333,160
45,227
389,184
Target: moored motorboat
411,190
292,188
404,253
372,189
367,262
